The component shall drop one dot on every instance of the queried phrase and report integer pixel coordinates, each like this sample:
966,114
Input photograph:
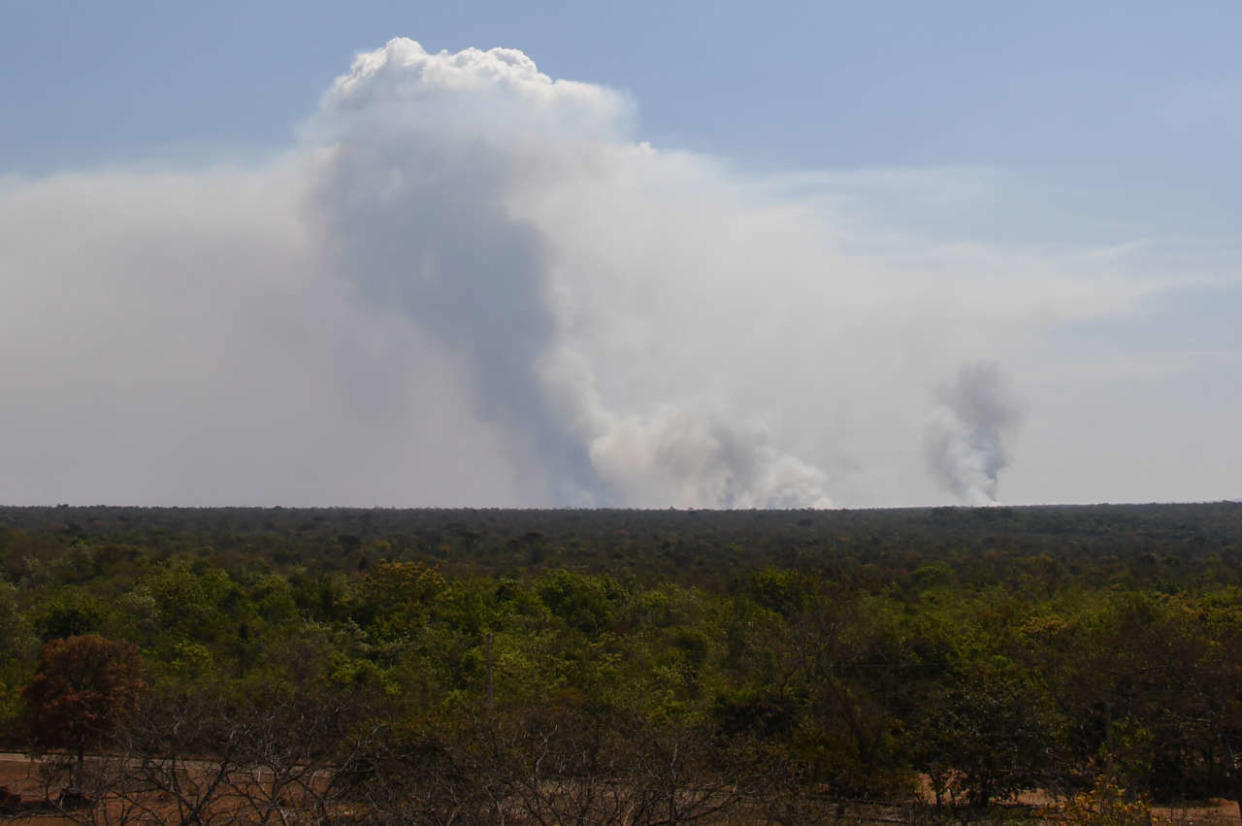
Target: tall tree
83,689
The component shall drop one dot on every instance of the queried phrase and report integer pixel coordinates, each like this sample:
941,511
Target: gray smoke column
434,165
968,433
414,198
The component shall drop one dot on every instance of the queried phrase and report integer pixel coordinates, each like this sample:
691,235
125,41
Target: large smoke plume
469,284
437,165
968,434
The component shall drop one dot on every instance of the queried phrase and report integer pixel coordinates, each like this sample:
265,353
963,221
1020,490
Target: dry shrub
1107,804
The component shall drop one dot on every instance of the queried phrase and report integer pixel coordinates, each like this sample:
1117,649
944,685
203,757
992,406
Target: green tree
987,733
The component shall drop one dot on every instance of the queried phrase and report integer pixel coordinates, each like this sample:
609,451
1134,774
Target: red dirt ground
21,775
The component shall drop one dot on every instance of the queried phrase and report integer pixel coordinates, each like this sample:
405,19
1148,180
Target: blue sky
1095,142
1098,90
1131,107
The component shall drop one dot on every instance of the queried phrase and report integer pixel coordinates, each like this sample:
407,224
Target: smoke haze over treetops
469,284
966,438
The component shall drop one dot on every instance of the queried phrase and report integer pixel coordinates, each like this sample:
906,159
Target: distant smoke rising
966,438
469,285
686,454
435,160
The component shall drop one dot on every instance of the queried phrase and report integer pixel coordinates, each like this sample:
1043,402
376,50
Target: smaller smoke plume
697,458
967,434
686,453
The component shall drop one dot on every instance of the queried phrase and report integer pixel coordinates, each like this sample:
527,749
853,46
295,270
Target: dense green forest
479,666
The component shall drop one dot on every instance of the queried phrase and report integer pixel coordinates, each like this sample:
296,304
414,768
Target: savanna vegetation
488,666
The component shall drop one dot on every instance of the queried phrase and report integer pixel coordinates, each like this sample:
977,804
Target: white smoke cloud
439,167
470,285
968,433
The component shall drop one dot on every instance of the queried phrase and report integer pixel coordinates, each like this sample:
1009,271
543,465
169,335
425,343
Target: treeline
692,547
376,681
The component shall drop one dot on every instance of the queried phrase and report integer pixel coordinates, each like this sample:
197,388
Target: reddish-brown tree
84,687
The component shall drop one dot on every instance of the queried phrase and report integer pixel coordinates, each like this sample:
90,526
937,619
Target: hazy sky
703,255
